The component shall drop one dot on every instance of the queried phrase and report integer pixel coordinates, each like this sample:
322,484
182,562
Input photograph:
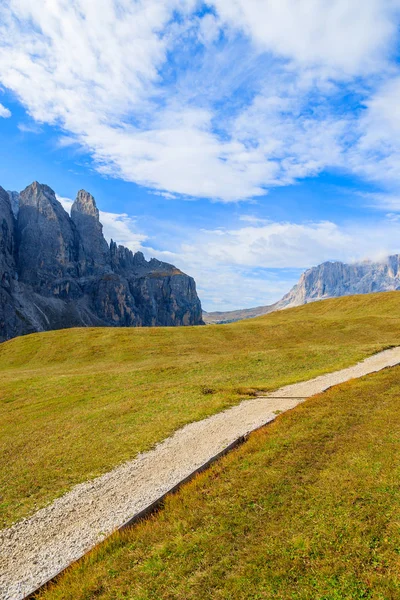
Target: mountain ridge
58,271
330,279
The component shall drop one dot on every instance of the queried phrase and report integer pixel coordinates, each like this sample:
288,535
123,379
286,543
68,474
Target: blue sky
242,140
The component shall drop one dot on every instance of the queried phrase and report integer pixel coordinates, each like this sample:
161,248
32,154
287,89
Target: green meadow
76,403
307,509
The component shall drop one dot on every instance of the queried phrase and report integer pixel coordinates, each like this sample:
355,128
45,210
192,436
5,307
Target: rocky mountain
334,279
58,271
214,318
328,280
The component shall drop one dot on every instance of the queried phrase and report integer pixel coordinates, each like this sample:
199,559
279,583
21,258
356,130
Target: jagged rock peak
48,244
58,271
333,279
35,189
330,279
86,204
139,257
41,197
85,215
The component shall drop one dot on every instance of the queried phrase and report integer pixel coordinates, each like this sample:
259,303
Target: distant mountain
58,271
328,280
334,279
211,318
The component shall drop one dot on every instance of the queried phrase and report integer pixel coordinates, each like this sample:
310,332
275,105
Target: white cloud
291,245
225,286
381,201
253,97
29,128
166,195
376,155
209,29
346,37
5,113
253,219
255,264
240,288
122,229
256,108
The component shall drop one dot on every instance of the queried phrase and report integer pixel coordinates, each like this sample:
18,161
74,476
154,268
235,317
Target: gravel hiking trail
36,549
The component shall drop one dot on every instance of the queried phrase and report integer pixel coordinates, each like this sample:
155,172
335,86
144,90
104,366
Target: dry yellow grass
307,509
75,403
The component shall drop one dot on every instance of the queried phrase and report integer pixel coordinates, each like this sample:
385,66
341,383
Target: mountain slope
76,403
306,509
58,271
327,280
334,279
213,318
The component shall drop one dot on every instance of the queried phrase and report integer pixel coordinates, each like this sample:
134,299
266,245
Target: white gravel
34,550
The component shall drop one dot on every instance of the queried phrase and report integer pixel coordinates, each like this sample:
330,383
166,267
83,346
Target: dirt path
36,549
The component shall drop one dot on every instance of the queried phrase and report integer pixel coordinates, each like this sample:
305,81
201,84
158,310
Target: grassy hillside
307,509
75,403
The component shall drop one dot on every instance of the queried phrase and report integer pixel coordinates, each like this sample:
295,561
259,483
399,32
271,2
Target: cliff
327,280
58,271
334,279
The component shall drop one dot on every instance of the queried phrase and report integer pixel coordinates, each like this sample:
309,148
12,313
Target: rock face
8,318
96,253
328,280
48,245
58,271
333,279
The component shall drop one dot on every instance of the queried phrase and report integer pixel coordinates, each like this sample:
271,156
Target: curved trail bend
34,550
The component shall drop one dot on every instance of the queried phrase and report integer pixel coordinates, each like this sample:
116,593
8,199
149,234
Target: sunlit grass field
75,403
307,509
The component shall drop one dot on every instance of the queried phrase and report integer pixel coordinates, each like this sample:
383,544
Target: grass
75,403
308,508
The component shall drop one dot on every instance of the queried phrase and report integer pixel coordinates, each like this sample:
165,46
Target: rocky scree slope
58,271
328,280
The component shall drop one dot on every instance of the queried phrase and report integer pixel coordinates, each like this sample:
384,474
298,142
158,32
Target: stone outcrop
58,271
95,257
